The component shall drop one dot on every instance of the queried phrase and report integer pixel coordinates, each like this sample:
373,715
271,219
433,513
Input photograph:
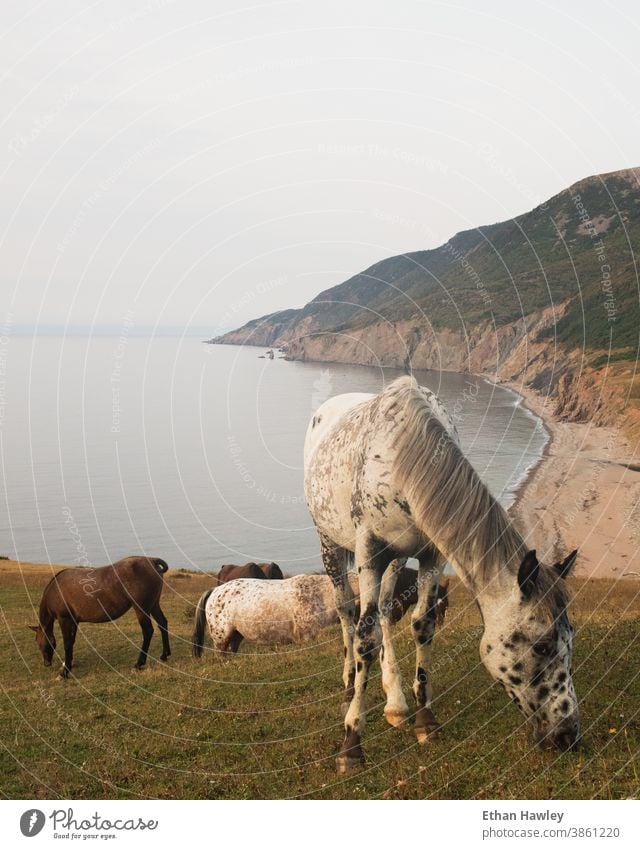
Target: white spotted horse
386,479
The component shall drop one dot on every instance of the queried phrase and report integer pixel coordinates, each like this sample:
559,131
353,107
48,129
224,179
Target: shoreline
529,473
582,494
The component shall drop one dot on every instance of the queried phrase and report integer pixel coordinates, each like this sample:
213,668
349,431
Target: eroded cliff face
511,353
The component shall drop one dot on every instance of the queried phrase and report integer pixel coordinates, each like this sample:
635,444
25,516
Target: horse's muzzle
565,736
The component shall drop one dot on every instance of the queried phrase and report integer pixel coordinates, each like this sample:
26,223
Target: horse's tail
197,638
161,565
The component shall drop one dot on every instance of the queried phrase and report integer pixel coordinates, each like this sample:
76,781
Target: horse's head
527,647
46,643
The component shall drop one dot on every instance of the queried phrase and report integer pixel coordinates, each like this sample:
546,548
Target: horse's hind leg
69,630
396,710
233,643
161,619
147,632
423,622
335,564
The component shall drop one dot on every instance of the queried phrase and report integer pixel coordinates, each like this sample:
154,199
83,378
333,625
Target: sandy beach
584,494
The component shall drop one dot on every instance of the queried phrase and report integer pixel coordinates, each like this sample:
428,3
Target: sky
198,164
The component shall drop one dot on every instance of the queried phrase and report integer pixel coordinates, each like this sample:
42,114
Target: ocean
117,445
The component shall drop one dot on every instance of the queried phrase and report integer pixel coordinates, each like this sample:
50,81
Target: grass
266,724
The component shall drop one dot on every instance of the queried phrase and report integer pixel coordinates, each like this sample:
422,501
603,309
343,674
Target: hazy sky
202,163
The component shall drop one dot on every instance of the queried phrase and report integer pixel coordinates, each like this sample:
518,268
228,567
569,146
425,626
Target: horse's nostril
567,740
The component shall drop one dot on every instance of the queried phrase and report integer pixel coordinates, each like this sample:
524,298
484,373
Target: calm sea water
118,445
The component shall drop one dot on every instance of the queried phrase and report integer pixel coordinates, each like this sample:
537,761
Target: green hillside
578,247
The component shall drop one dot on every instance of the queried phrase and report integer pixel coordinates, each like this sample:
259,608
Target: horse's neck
490,572
45,616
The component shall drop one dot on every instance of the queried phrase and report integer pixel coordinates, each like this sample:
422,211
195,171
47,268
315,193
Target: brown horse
271,571
101,595
229,572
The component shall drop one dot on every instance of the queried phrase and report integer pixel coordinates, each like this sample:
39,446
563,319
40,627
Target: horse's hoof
164,658
427,734
347,765
137,668
396,718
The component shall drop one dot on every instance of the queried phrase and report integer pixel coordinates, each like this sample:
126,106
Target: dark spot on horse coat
515,679
543,692
537,677
359,666
565,706
562,677
403,505
518,667
503,669
367,651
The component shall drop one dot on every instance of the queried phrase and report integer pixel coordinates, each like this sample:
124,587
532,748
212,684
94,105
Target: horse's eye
542,649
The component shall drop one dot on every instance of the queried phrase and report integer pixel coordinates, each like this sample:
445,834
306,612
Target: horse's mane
449,502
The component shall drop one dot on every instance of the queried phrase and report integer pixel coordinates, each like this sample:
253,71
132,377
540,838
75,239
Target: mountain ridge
549,297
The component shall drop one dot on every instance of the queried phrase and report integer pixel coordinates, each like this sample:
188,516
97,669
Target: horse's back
231,572
328,415
350,465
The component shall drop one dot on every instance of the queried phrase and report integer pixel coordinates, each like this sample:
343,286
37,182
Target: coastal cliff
548,300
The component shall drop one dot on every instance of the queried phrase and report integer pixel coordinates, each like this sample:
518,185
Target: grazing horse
385,479
291,611
101,595
271,571
232,573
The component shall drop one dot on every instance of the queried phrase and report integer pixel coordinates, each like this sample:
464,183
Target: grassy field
266,724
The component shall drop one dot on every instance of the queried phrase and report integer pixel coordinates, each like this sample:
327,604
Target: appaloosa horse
291,611
385,478
101,595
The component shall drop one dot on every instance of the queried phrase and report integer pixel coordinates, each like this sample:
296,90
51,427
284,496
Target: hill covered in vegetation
551,297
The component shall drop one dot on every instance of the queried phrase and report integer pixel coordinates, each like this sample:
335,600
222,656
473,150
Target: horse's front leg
335,564
69,630
396,710
423,623
367,642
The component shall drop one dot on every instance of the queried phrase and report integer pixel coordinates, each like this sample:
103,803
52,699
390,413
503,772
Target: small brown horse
249,570
272,571
102,595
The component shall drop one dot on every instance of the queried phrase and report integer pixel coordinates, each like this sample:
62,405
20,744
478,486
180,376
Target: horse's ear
563,569
528,572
